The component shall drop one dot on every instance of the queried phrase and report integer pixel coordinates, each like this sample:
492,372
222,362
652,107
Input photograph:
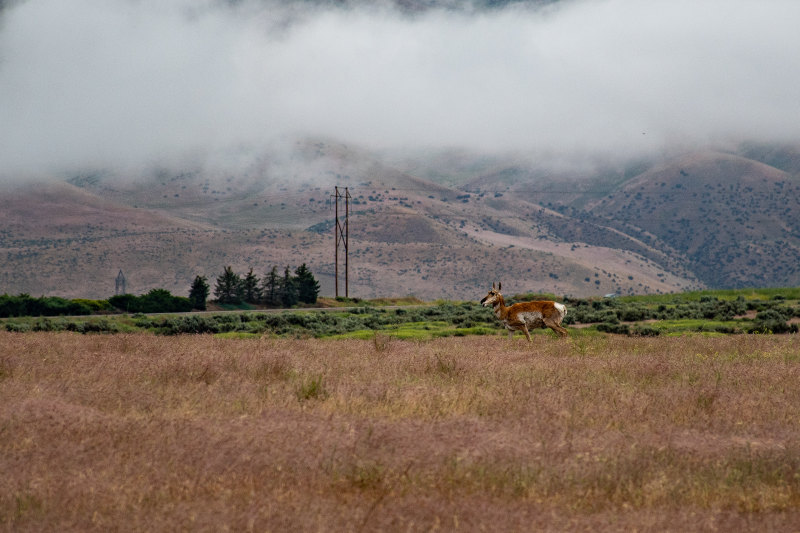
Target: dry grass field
197,433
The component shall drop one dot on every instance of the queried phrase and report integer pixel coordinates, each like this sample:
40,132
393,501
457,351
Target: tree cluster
155,301
273,289
26,305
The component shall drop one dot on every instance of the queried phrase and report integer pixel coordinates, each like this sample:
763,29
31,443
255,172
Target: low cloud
120,82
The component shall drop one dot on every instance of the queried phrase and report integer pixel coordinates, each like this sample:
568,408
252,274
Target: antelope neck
499,306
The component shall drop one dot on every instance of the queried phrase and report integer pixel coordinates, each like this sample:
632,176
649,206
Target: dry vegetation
137,432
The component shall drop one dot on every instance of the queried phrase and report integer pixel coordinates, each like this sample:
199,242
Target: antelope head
493,296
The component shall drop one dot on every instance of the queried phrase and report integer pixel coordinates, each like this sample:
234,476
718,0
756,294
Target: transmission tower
342,234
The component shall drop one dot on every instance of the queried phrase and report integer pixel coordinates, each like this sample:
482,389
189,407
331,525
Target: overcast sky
106,82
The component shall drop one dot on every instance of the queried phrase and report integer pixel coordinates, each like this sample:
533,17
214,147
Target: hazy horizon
119,83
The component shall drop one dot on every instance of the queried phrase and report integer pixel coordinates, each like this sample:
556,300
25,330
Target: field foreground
138,432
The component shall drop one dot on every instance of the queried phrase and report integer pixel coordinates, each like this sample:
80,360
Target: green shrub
95,306
634,313
771,321
645,331
25,305
620,329
99,326
49,324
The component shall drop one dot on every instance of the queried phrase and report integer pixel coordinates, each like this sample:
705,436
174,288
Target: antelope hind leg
558,329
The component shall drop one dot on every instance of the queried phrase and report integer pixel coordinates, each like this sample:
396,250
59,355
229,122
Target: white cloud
118,82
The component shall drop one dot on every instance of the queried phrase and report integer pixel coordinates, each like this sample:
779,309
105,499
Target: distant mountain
436,225
735,221
732,219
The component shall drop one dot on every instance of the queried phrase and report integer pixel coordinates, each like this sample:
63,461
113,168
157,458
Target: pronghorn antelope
525,316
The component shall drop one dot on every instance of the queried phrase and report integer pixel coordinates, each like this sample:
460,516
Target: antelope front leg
514,326
524,327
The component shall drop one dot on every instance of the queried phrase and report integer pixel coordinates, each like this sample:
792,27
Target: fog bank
121,82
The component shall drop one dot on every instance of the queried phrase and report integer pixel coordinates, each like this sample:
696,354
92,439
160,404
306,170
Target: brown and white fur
525,316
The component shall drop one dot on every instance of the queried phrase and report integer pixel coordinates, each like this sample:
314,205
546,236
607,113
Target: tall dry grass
136,432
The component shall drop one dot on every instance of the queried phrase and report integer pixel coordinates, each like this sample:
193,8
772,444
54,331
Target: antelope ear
500,286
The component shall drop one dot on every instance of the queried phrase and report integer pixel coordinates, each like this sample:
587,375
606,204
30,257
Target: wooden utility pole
342,236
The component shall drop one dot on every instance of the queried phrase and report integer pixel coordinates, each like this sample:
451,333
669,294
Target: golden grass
137,432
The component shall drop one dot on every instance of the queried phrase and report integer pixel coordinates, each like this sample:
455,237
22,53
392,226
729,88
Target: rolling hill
735,221
441,225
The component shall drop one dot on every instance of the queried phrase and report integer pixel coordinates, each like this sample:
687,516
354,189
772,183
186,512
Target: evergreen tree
307,285
228,289
288,289
251,292
199,293
270,288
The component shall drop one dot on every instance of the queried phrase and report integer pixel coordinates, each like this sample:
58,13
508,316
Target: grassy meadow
718,312
135,431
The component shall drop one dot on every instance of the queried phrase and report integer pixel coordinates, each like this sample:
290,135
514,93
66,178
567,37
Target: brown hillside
407,235
735,220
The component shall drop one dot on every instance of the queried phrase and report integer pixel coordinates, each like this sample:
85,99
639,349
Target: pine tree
250,291
199,293
228,289
307,285
270,288
288,289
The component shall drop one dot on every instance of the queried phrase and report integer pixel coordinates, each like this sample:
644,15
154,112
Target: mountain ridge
659,229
